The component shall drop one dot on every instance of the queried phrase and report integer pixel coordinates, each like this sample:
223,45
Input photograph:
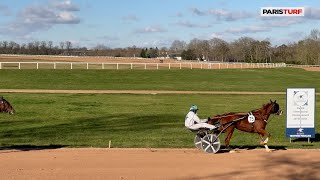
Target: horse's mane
264,106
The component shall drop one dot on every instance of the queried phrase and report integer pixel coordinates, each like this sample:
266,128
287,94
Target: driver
193,122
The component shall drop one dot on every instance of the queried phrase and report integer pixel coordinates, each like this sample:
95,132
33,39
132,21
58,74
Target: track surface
140,164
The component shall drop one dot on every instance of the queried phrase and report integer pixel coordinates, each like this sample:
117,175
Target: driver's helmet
194,108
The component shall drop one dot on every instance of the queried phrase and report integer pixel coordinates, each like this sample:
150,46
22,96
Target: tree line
244,49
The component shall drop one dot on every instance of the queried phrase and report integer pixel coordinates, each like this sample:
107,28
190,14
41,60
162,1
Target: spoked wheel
210,143
197,141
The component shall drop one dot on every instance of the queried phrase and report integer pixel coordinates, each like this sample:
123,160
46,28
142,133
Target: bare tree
178,46
68,45
242,49
199,47
62,45
219,49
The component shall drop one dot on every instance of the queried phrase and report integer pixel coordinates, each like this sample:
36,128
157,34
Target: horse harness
247,116
230,123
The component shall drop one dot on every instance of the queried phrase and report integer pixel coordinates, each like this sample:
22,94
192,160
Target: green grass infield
270,80
128,121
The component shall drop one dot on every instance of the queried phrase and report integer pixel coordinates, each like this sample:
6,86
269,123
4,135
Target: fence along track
103,65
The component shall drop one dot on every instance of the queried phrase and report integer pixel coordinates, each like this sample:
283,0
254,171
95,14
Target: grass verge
149,121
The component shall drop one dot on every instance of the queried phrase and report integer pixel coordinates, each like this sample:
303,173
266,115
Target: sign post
300,113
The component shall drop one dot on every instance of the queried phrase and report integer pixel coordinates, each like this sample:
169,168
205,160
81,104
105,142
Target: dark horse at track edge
230,121
5,106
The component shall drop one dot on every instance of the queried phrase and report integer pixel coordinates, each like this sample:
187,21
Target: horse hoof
232,151
269,150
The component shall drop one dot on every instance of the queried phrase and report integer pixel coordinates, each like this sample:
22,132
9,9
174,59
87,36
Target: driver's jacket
192,118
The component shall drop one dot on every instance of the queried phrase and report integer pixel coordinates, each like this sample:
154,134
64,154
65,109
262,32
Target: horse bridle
263,117
279,112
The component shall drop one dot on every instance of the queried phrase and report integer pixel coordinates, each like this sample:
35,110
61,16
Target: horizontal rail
151,65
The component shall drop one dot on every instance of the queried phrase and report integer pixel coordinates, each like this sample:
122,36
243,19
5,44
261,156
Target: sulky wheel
210,143
197,141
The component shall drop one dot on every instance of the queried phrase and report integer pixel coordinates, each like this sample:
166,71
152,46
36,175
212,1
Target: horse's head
5,106
274,108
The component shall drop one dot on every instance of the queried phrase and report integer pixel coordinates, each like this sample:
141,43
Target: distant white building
178,58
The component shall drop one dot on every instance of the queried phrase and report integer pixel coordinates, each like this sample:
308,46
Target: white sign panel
300,112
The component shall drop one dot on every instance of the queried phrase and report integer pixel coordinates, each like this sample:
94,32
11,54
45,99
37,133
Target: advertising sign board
300,113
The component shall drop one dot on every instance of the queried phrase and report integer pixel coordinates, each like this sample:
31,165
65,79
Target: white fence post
219,66
87,65
131,66
37,65
117,66
71,65
169,66
102,65
19,65
180,65
54,66
0,65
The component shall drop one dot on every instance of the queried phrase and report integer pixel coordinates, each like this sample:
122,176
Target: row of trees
244,49
35,48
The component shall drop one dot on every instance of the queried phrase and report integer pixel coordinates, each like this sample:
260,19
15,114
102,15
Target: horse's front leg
262,133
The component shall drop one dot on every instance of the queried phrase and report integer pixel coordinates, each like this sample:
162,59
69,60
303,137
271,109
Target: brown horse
230,121
5,106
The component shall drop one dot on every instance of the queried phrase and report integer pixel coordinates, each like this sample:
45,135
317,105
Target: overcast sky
146,23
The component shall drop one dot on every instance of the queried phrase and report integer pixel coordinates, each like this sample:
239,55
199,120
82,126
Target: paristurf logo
282,11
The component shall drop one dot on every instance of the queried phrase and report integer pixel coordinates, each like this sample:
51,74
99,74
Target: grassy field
271,80
84,120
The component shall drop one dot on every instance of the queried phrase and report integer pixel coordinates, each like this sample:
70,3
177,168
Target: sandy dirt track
103,163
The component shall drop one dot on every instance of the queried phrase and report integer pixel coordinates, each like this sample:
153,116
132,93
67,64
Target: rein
229,124
263,117
269,120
